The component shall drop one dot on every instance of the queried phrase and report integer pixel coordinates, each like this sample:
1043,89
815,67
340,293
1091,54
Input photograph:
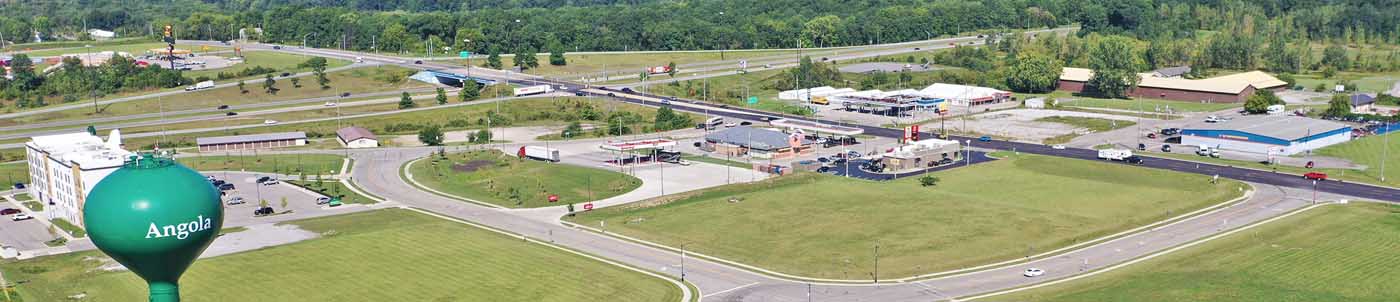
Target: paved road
77,105
188,115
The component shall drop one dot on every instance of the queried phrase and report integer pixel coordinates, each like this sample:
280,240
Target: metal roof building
1268,134
357,137
1231,88
251,141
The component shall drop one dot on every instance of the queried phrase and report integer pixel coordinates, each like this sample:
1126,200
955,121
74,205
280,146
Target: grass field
69,228
629,63
1369,151
1093,124
824,226
282,62
1146,105
354,81
1365,82
1333,253
137,49
268,163
386,255
718,161
514,113
489,176
334,188
15,172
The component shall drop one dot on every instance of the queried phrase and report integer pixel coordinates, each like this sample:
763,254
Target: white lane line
730,290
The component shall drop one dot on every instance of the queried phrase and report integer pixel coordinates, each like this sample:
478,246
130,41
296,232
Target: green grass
1368,151
1146,105
1333,253
498,172
15,172
354,81
34,206
717,161
524,112
825,226
334,188
137,49
69,228
386,255
282,62
267,163
1365,81
1090,123
630,63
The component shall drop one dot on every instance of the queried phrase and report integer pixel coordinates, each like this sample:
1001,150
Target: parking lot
300,202
23,235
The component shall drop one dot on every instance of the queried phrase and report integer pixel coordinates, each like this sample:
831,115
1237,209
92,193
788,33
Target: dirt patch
473,166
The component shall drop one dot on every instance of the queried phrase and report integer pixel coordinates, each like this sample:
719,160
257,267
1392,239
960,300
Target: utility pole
1385,150
876,275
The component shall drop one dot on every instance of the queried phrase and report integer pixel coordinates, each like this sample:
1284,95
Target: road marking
730,290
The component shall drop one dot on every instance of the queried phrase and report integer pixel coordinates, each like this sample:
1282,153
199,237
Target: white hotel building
63,168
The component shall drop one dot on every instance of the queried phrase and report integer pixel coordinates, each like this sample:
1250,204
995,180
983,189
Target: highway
1276,194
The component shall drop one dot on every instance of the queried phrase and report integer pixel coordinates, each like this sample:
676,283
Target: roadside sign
464,54
753,100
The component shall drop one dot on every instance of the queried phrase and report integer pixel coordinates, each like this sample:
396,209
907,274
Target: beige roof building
1226,88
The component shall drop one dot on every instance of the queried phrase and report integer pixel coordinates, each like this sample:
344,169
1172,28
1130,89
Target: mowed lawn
489,176
386,255
1370,151
823,226
267,163
1333,253
282,62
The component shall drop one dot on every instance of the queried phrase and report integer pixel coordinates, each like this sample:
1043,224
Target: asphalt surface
853,166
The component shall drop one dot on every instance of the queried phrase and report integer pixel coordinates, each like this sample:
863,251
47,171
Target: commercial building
98,34
1362,103
964,95
1268,134
922,153
356,137
63,168
1232,88
758,143
252,141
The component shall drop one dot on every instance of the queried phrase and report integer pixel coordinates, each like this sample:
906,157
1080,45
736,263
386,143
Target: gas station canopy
638,144
816,127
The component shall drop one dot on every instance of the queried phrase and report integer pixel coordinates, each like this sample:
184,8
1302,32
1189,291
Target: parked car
580,93
345,94
226,187
1315,175
263,179
730,125
1166,148
1152,135
19,186
1033,272
746,123
21,217
9,211
1142,147
236,201
1058,147
323,200
263,211
984,138
218,182
945,161
271,182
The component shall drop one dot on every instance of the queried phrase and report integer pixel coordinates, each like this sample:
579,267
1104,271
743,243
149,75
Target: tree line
510,26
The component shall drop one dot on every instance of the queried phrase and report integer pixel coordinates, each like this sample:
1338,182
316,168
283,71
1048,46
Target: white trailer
537,89
200,86
1115,154
540,153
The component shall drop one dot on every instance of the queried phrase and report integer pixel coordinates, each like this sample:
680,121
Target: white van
714,122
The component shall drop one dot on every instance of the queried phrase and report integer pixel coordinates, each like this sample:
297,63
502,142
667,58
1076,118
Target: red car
1315,176
10,211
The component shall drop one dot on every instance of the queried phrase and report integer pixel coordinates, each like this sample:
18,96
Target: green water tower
155,217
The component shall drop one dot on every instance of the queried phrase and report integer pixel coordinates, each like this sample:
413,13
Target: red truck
1315,175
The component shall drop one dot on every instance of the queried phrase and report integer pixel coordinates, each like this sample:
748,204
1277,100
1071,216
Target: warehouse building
758,143
356,137
252,141
1268,134
63,168
1234,88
